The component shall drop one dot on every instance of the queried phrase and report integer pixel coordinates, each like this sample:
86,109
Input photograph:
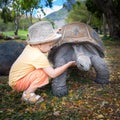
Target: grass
86,99
21,33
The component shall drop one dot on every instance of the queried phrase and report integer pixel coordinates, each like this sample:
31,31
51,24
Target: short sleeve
41,61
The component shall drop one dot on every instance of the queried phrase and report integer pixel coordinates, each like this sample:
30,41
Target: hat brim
51,38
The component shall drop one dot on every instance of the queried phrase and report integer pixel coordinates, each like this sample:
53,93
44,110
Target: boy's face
46,47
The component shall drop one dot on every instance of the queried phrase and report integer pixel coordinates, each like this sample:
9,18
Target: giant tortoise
81,43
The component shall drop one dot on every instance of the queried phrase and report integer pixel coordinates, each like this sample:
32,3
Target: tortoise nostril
81,65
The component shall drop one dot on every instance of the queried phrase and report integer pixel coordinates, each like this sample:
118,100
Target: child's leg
30,83
40,79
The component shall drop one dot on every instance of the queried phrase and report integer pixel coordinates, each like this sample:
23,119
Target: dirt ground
86,99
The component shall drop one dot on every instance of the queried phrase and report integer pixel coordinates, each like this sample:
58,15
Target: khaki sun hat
42,32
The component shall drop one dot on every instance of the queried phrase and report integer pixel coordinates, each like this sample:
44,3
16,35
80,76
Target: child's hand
72,63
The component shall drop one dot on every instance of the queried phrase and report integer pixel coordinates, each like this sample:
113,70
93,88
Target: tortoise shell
80,33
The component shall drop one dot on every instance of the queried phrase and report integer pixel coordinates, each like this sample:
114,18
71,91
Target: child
32,69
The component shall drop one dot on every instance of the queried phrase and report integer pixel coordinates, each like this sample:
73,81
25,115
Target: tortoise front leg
101,68
63,55
59,87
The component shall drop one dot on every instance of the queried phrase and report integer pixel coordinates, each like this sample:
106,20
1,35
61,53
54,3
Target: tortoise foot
102,81
60,91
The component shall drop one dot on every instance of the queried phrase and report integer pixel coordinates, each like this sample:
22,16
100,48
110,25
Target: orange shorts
36,78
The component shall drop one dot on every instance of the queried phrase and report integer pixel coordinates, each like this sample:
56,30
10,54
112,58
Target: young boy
32,69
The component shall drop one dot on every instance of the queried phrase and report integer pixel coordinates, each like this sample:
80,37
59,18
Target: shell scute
78,32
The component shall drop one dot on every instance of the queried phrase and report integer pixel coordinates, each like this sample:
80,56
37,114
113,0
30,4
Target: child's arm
59,70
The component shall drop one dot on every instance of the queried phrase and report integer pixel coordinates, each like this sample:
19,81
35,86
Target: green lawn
21,33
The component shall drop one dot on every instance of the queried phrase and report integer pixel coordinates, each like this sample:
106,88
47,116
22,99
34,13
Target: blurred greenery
22,34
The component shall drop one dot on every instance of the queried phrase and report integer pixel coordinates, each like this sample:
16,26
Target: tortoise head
83,62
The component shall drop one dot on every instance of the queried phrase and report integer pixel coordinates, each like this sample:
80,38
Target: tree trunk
104,26
31,12
89,19
16,25
112,16
30,18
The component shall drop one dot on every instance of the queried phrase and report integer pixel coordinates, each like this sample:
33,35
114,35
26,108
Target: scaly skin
101,68
68,52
